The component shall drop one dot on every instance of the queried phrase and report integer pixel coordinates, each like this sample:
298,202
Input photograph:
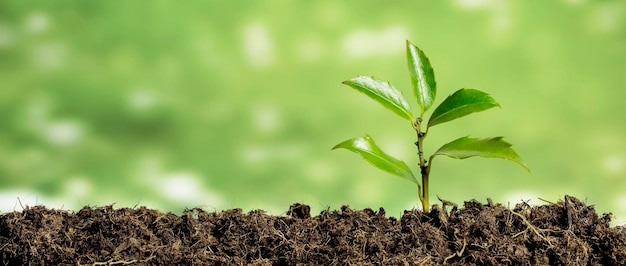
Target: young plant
461,103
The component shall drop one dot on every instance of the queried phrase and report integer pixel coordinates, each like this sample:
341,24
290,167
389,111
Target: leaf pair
461,148
422,79
459,104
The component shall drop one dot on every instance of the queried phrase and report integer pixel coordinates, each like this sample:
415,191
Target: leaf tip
347,81
523,165
338,145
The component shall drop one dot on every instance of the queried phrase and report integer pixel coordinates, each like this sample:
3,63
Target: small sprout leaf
384,93
422,77
466,147
461,103
366,147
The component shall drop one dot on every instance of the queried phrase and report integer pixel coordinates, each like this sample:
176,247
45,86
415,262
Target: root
118,262
424,261
531,227
456,254
550,202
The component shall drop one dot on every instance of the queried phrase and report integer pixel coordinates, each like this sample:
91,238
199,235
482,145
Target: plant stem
424,168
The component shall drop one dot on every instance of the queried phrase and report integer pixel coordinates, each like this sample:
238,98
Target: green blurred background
236,104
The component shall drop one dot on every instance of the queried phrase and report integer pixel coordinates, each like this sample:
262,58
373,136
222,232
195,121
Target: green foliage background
236,104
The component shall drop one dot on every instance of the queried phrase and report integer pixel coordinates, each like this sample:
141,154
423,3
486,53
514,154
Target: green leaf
422,77
466,147
366,147
461,103
384,93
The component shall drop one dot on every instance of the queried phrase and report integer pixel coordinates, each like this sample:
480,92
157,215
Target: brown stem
424,167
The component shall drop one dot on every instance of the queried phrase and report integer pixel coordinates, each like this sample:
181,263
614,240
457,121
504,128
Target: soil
564,233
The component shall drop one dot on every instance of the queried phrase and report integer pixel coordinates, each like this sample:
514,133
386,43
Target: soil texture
564,233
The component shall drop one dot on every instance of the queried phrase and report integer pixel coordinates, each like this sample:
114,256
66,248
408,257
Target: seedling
461,103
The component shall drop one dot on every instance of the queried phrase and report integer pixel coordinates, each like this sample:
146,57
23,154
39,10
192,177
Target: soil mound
563,233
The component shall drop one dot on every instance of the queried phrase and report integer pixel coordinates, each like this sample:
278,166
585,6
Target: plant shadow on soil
563,233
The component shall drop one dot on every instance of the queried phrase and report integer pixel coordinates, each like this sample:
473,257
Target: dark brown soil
564,233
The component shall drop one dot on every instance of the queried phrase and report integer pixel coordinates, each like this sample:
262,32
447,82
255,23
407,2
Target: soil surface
564,233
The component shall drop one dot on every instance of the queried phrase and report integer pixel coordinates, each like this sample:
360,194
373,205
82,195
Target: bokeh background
236,104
